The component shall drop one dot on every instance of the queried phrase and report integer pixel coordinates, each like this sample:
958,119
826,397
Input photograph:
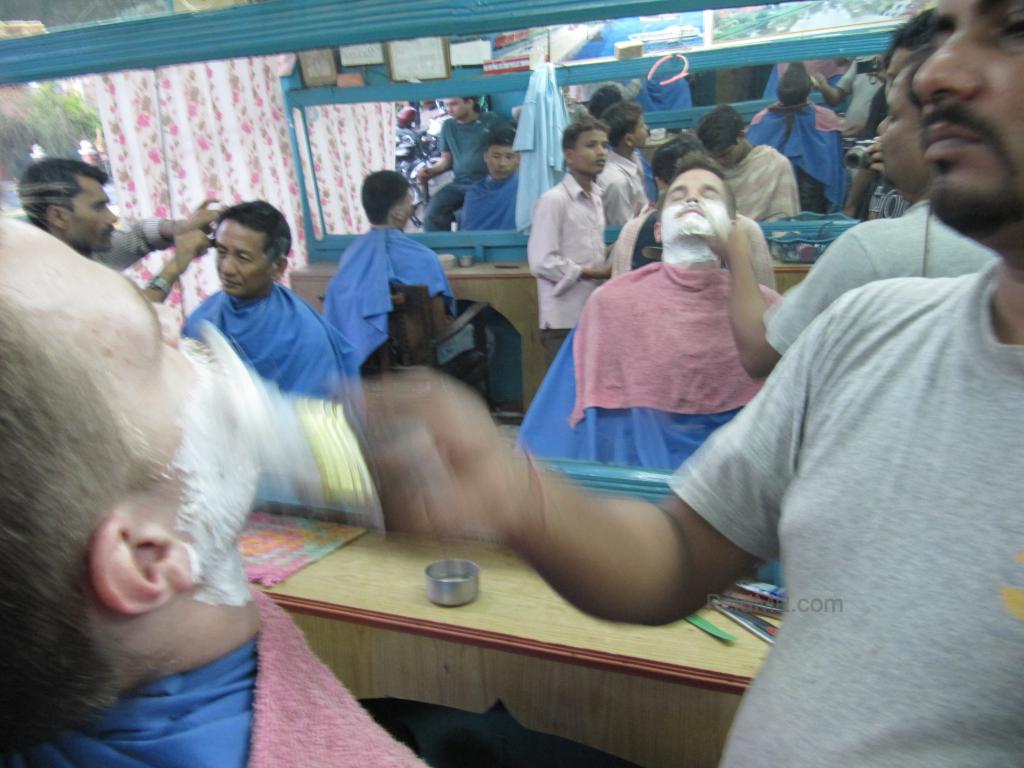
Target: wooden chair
422,334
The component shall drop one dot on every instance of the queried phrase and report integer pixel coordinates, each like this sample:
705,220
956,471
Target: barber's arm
747,307
187,246
833,94
202,218
444,471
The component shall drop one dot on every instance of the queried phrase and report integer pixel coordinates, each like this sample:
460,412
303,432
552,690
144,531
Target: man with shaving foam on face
130,635
652,368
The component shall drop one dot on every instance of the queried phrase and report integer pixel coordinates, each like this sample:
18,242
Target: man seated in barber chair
358,298
810,136
651,368
636,246
391,299
270,327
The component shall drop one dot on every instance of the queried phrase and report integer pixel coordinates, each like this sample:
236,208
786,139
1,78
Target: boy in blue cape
491,203
271,328
358,298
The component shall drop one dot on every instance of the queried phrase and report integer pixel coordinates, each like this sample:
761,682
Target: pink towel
302,715
660,337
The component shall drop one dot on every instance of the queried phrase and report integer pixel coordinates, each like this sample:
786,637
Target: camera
857,156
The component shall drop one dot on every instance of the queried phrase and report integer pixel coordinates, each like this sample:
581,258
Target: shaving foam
219,473
685,228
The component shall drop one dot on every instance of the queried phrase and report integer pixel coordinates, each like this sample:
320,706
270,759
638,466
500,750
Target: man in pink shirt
622,180
566,249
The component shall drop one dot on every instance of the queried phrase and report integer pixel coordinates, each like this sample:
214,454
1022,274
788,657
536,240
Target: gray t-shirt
884,461
874,250
467,143
861,90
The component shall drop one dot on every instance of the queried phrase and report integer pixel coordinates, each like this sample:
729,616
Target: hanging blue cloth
655,97
283,338
814,145
632,437
490,204
358,297
539,141
201,717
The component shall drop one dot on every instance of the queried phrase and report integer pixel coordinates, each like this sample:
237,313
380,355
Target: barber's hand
442,467
817,81
202,218
423,174
188,245
731,247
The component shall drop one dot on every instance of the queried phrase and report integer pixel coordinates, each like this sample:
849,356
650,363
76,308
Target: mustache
957,114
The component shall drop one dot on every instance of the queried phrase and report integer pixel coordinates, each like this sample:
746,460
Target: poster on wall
423,58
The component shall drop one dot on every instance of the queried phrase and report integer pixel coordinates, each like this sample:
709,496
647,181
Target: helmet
406,116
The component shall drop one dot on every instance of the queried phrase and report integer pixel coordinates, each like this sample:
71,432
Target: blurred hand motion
442,467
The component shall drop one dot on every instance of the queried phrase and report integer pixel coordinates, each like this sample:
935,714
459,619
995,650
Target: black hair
603,98
794,85
621,118
720,128
260,216
915,34
382,190
53,181
501,136
667,156
577,129
698,161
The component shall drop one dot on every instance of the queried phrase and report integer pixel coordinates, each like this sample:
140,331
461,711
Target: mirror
591,51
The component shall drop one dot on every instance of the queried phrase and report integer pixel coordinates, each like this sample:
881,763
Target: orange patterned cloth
276,546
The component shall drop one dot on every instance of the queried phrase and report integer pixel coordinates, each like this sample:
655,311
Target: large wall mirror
732,60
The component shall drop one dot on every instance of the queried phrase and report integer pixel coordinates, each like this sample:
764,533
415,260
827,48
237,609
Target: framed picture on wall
318,67
423,58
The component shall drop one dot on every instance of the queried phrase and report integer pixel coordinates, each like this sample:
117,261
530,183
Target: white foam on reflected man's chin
219,471
685,228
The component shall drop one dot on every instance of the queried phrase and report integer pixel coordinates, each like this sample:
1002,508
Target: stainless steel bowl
452,582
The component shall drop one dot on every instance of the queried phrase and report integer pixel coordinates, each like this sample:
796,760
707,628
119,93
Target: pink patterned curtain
181,134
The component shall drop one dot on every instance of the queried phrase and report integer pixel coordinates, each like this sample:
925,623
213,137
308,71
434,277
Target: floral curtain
178,135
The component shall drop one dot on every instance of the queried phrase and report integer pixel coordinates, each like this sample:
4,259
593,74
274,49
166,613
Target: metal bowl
452,582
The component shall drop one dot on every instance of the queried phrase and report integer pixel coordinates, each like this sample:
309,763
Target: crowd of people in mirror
878,442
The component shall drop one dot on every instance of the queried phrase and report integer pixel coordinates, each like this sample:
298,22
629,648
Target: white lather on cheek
219,472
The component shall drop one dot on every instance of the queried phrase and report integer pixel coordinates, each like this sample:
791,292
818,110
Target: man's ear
280,265
58,219
657,231
137,566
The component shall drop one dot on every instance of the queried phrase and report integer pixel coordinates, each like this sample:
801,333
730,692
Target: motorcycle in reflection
414,149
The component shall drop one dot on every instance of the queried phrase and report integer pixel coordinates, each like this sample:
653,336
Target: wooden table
508,287
658,696
788,275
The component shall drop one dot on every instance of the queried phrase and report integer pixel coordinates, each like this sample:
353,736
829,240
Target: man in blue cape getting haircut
491,203
270,327
810,136
358,297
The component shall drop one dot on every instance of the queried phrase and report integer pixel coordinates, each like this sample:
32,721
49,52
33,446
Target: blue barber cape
490,204
201,717
358,297
632,437
817,152
283,338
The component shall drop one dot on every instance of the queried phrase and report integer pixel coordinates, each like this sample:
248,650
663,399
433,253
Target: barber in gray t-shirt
882,462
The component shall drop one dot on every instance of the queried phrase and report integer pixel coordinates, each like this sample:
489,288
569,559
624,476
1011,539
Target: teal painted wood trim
293,25
688,118
649,484
471,79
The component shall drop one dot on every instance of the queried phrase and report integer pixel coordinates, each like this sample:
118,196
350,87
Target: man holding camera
859,84
915,245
